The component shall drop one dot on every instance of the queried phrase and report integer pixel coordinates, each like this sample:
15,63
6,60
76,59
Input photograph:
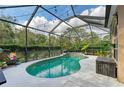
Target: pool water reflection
56,67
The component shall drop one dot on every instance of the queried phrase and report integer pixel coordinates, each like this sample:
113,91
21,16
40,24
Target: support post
49,45
91,38
70,40
26,32
26,44
61,44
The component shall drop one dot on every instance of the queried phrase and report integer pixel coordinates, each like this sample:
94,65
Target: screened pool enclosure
36,31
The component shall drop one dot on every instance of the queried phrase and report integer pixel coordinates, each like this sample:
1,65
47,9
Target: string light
14,19
67,13
55,9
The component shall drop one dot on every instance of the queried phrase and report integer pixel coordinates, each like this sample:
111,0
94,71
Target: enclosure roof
108,8
54,19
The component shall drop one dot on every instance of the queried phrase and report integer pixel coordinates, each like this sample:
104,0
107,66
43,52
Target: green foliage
3,59
84,47
106,38
102,53
22,48
10,35
6,33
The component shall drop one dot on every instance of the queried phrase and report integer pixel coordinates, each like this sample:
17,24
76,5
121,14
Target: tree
41,40
20,37
6,32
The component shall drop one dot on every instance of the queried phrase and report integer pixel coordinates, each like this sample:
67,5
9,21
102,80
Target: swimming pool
56,67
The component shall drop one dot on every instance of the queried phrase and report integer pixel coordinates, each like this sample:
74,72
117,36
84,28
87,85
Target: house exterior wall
117,40
120,30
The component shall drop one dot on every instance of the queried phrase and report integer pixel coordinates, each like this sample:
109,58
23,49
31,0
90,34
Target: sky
17,12
47,22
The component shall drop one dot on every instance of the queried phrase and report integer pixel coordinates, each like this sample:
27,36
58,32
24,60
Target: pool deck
86,77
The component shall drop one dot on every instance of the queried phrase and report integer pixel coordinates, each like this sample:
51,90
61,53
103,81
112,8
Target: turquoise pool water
53,68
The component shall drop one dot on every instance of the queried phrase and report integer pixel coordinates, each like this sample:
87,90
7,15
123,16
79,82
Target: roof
52,18
108,8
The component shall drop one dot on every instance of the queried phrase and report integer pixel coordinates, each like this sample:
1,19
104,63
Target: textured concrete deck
85,77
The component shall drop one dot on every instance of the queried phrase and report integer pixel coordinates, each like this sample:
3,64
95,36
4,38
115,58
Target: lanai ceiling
56,19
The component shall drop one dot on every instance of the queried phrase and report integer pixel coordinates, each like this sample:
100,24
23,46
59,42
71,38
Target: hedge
22,48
